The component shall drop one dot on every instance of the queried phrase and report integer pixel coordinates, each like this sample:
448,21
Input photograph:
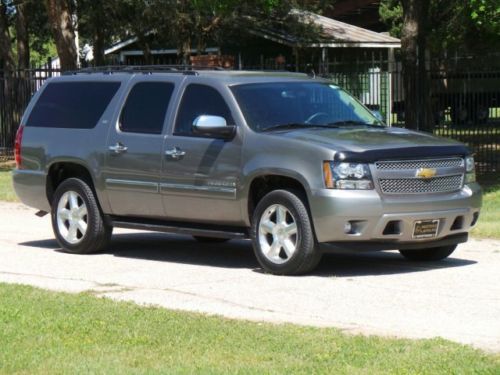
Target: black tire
307,254
430,254
97,234
203,239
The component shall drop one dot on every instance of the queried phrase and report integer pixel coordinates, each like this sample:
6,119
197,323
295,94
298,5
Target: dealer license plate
425,228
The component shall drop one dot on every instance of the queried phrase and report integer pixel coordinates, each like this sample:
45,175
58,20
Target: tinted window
146,107
265,105
200,100
72,104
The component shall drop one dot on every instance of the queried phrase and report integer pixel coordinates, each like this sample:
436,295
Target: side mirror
378,115
213,127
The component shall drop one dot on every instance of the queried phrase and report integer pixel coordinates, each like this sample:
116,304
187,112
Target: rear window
77,105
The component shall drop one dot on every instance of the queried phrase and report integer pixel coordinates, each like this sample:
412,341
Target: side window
200,100
77,104
146,107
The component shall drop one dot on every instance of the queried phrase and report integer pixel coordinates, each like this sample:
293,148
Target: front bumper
390,220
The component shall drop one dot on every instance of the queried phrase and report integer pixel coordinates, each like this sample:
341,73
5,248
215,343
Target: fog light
347,227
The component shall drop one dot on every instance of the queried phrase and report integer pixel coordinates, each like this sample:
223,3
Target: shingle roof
333,34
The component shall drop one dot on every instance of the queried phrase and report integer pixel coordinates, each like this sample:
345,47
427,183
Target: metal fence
465,105
16,90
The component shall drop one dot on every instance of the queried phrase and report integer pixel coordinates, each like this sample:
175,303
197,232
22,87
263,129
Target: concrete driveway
369,293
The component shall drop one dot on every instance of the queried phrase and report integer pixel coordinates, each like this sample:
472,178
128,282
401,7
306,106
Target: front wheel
430,254
76,219
282,234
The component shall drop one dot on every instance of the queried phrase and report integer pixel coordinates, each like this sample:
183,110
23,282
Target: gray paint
210,182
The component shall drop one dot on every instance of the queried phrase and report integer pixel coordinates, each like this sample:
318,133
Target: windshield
300,104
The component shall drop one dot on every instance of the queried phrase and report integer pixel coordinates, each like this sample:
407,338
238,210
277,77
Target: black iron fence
465,105
16,90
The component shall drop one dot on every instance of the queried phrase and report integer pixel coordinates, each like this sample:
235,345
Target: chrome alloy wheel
278,236
72,218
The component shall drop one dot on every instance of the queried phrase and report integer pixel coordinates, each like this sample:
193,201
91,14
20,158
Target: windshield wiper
353,122
298,125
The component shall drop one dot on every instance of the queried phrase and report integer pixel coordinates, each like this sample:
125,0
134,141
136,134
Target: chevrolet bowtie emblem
425,173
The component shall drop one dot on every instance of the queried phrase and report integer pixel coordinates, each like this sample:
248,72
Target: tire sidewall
305,236
78,186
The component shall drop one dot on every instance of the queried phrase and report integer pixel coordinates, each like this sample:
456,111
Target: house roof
333,34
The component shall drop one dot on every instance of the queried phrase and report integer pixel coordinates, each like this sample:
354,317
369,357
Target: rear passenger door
134,149
200,174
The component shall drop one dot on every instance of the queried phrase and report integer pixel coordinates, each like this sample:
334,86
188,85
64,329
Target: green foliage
45,332
453,25
486,14
391,13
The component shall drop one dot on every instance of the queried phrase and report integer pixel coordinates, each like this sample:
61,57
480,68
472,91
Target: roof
333,34
226,76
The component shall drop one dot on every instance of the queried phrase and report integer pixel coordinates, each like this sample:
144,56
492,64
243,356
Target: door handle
175,153
118,148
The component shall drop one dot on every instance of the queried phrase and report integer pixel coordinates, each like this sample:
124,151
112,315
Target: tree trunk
5,42
61,24
98,48
146,49
186,51
413,46
98,38
22,35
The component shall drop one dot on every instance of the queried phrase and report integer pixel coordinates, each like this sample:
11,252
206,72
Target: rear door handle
175,153
118,148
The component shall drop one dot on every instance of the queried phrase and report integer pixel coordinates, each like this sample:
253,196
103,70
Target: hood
370,144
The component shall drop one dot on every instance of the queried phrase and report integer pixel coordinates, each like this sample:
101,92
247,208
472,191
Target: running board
180,228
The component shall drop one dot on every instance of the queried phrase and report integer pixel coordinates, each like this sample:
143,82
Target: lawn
6,189
488,225
48,332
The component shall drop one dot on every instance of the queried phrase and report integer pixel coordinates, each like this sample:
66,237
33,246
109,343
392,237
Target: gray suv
284,159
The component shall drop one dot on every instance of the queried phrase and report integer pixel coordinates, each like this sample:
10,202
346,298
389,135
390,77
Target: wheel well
262,185
59,172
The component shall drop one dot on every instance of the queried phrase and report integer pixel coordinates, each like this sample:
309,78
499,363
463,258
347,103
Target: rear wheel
77,220
210,239
282,234
430,254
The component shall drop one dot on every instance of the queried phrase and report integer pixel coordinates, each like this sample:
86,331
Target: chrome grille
420,186
416,164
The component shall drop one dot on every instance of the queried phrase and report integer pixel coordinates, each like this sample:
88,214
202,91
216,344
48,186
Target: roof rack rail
110,69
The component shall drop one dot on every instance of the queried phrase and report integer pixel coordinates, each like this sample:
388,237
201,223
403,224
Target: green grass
6,189
47,332
488,225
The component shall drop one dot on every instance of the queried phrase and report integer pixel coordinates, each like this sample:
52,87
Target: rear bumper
390,220
30,187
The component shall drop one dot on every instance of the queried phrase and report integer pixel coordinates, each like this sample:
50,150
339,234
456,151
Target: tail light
17,147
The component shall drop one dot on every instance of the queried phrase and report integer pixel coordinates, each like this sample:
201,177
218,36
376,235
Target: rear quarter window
77,105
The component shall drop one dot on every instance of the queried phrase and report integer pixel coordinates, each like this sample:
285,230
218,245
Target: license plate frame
425,228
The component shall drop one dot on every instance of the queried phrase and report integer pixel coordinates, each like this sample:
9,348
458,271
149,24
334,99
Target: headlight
347,176
470,169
